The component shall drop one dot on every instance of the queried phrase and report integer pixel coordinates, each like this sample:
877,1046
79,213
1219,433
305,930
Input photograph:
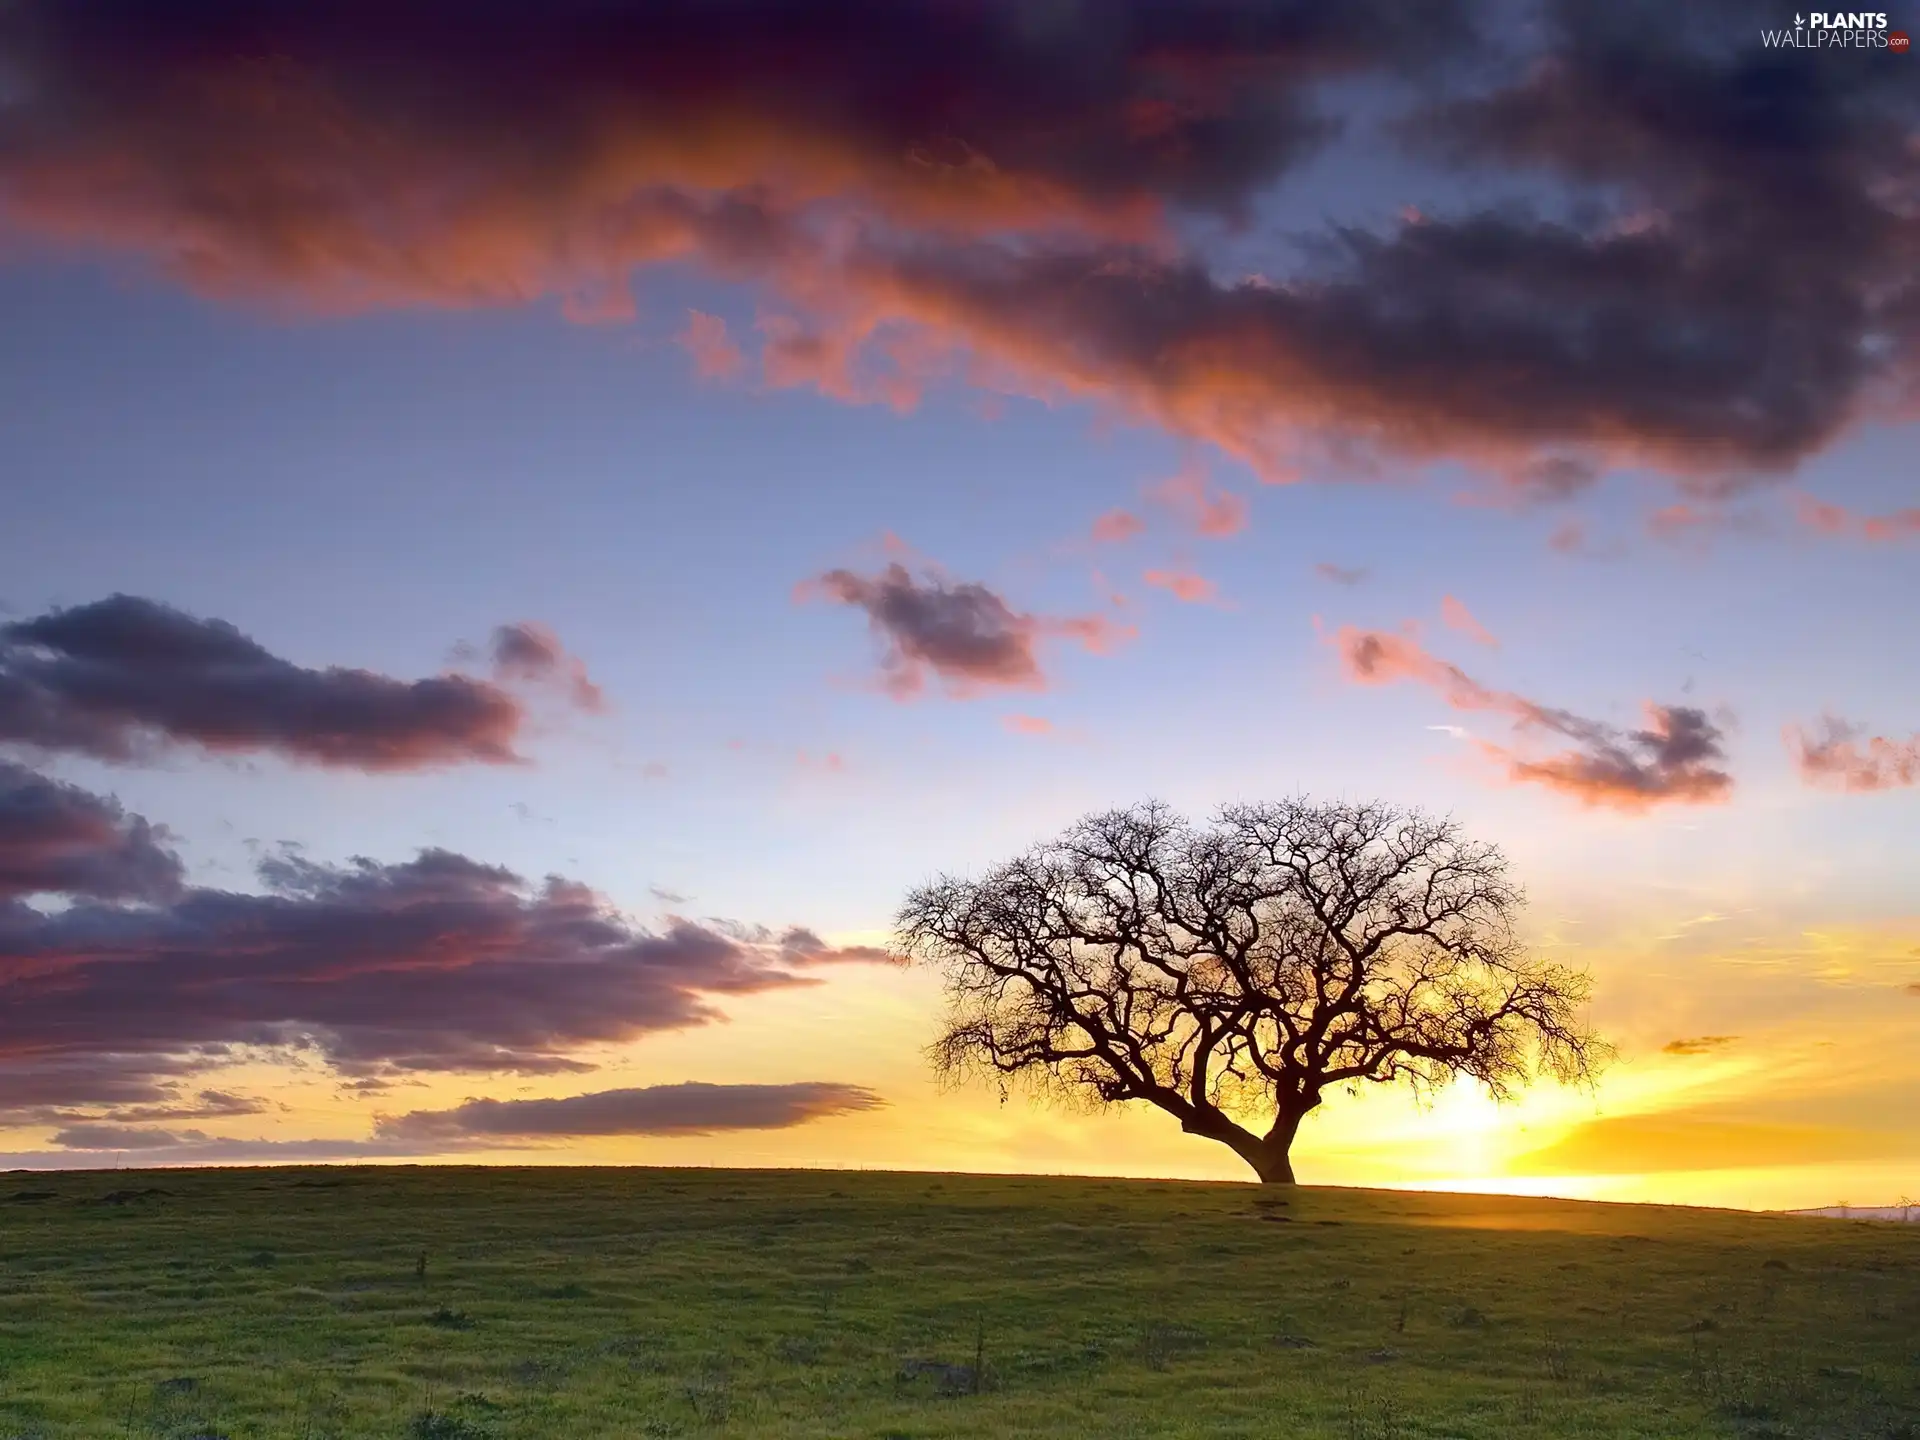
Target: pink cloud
1836,520
1673,759
1116,526
1205,508
705,338
1457,617
1184,585
1841,758
1027,724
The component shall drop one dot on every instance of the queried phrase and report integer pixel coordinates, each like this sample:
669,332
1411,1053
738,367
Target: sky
530,529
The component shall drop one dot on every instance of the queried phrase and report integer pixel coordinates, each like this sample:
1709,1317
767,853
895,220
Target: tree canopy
1232,973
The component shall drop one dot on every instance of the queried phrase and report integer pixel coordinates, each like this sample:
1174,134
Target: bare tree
1233,973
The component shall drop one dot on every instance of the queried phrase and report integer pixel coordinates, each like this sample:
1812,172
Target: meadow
460,1303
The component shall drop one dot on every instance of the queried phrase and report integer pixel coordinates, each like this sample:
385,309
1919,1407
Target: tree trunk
1271,1155
1267,1154
1272,1164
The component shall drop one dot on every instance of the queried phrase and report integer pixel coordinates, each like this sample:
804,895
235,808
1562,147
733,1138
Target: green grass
642,1303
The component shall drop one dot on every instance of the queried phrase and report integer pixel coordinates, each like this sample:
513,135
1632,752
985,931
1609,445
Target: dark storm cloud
1685,250
959,631
689,1109
436,964
1755,288
1013,110
123,677
58,839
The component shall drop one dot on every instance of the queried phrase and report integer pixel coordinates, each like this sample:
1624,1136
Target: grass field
645,1303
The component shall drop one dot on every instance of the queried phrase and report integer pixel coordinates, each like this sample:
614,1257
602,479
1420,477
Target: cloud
1116,526
1674,759
1838,758
800,947
1826,519
1457,617
123,1137
1201,506
1759,255
1568,538
123,677
1339,574
207,1105
1027,724
687,1109
960,632
58,839
986,192
440,963
1184,585
444,156
531,653
483,1124
104,1147
705,338
1698,1045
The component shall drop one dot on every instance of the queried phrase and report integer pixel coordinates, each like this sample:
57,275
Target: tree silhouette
1233,973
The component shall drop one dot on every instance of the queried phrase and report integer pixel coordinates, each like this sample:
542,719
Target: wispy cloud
1698,1045
705,338
1457,616
1827,519
1339,574
1200,505
687,1109
1675,758
1117,526
1184,585
1843,756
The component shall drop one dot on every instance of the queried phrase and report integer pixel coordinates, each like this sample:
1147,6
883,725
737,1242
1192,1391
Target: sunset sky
529,528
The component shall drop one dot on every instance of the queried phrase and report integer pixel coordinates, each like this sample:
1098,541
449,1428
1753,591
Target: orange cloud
1184,585
705,338
1458,617
1838,757
1698,1045
1027,724
1673,759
